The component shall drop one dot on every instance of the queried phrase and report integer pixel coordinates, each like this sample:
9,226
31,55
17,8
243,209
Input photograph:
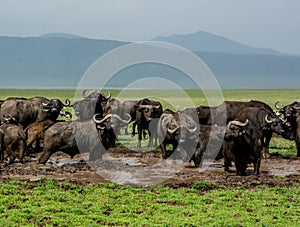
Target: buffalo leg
21,146
140,132
133,129
227,164
256,164
10,153
298,148
266,143
240,168
197,157
163,150
150,143
1,146
45,156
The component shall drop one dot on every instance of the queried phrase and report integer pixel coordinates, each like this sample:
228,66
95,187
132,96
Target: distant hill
206,42
48,62
60,35
59,60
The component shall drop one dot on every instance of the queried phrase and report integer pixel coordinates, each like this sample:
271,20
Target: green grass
284,96
51,203
282,147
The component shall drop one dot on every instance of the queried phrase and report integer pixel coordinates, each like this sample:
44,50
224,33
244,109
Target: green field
51,203
197,97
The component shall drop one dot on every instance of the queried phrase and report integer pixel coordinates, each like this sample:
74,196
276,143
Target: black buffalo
209,144
93,136
230,110
26,111
246,135
128,107
90,105
148,113
180,131
13,141
291,114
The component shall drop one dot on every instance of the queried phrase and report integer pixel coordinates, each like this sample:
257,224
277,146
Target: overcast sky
261,23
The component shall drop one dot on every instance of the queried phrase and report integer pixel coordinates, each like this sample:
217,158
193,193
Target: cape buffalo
72,137
13,141
26,111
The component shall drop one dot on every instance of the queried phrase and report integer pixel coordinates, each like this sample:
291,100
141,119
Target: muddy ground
128,167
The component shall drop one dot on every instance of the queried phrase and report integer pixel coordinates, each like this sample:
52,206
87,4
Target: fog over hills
207,42
59,60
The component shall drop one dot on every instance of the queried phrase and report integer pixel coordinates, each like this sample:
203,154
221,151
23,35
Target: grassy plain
52,203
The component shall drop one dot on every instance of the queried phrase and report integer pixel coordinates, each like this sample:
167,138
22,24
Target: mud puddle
140,169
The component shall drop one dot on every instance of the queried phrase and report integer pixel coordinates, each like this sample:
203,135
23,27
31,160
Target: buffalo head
235,129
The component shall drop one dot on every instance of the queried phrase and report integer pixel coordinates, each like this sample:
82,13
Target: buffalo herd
238,132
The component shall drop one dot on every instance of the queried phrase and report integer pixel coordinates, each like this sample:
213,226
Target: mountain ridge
208,42
59,61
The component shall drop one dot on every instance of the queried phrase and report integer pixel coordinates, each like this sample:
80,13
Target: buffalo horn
109,95
122,120
67,102
84,95
239,123
277,106
101,120
45,104
172,130
192,129
296,108
145,106
267,120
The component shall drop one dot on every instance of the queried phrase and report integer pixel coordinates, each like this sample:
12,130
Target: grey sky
261,23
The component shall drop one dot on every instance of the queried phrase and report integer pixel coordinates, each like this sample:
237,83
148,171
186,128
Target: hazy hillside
207,42
60,60
48,62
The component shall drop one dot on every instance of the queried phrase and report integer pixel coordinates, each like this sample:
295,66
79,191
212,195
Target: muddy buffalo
94,137
13,141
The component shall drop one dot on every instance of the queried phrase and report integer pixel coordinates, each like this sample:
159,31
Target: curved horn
67,102
122,120
101,120
145,106
166,118
296,108
109,95
239,123
45,104
276,106
172,130
84,95
156,107
267,120
193,129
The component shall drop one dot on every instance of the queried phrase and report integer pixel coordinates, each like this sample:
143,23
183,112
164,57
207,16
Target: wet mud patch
124,166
